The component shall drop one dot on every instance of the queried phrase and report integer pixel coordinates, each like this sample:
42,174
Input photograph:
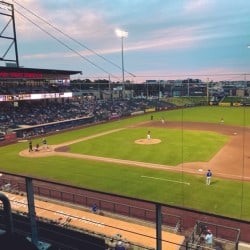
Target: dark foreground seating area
14,234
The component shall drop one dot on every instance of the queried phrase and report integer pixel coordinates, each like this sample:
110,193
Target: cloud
169,33
90,25
165,39
81,22
192,6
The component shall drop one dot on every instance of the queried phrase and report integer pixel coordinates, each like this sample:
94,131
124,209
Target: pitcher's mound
148,141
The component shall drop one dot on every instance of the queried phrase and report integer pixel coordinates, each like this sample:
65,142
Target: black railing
176,218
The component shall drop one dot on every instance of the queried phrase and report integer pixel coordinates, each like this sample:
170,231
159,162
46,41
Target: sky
202,39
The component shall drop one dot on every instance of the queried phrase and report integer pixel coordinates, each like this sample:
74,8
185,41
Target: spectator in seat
209,239
120,246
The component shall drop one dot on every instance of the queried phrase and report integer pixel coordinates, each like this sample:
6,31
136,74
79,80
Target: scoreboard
37,96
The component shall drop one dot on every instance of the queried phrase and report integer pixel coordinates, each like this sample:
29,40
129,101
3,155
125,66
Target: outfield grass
225,197
232,116
175,148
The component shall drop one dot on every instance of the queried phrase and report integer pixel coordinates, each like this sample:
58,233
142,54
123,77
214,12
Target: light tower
122,34
7,10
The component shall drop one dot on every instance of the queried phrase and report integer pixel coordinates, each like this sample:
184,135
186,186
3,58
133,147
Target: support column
7,215
158,227
31,210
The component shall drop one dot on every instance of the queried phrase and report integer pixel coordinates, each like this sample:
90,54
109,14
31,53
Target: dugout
50,127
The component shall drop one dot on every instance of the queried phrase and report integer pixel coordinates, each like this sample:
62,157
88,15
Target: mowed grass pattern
224,197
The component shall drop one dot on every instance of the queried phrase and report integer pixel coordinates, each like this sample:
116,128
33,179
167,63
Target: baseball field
169,167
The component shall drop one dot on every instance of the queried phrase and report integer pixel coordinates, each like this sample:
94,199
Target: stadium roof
42,71
34,73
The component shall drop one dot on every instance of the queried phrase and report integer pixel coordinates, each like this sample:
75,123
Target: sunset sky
166,39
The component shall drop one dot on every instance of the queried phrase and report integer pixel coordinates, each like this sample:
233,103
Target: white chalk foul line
163,179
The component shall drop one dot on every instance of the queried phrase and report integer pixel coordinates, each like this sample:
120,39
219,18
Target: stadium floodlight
122,34
248,46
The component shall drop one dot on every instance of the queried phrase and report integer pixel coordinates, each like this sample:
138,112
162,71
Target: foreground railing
160,217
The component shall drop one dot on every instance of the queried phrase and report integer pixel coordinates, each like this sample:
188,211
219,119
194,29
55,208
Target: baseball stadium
97,166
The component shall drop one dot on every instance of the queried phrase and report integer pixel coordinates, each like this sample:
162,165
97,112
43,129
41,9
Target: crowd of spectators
28,114
24,88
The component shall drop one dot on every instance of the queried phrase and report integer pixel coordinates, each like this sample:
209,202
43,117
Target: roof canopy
33,73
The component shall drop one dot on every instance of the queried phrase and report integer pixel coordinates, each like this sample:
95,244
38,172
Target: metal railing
175,219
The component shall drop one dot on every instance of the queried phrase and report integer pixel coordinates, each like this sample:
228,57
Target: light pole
122,34
207,91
